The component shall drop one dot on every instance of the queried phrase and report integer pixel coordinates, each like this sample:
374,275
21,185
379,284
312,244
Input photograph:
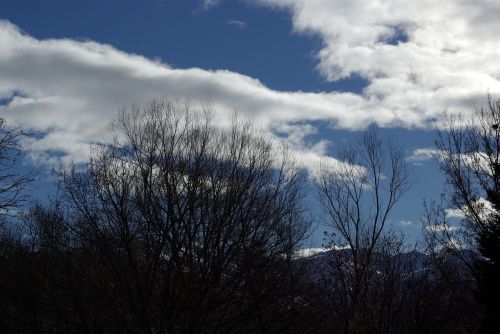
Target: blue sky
315,71
235,36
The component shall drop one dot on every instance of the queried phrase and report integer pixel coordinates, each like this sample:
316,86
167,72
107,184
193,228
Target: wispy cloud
307,252
405,223
442,228
207,4
421,155
237,24
454,214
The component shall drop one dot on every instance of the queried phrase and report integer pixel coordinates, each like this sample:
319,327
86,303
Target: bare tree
12,183
469,155
358,195
191,223
13,196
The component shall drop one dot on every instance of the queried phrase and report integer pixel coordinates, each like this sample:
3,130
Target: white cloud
420,155
481,206
307,252
207,4
405,223
447,60
441,228
71,90
454,213
476,162
237,24
312,156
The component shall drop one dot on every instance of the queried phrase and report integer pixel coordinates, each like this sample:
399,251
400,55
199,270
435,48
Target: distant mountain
413,262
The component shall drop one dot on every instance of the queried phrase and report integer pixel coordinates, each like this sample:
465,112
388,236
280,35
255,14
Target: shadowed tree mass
179,225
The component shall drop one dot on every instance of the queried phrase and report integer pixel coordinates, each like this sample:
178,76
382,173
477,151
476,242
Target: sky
314,72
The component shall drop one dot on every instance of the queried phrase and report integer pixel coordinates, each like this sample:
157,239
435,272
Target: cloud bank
419,59
72,90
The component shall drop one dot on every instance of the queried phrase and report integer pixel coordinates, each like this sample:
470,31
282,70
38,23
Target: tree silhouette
469,154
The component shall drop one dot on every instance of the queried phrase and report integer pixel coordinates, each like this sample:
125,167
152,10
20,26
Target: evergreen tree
487,268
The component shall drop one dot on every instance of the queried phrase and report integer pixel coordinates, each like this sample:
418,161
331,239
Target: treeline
181,226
